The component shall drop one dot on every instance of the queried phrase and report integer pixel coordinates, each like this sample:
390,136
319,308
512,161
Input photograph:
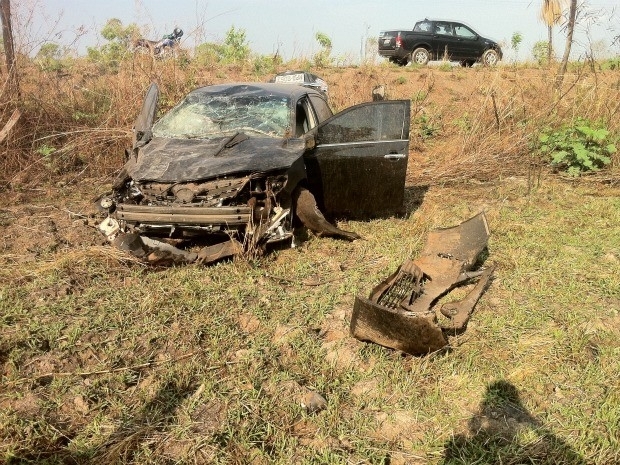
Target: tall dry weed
485,120
505,114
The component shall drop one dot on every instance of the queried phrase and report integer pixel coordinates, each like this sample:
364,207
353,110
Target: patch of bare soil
38,223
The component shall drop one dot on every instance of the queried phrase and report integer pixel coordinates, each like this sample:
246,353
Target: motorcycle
160,48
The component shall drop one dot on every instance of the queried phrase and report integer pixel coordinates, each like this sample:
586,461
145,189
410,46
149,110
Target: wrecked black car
233,168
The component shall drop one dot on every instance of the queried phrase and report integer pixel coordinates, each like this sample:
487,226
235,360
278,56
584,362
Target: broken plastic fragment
400,312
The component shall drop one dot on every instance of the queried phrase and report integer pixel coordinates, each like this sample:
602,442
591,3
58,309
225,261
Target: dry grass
480,123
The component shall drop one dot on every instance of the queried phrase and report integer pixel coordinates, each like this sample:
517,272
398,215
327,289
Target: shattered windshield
206,116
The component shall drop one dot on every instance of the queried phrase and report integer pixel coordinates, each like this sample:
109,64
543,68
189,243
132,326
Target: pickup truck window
444,29
463,31
422,26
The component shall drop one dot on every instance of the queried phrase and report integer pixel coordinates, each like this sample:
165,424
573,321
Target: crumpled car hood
184,160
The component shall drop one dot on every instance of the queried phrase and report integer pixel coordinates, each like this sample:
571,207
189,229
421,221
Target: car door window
321,108
464,32
444,29
305,118
365,123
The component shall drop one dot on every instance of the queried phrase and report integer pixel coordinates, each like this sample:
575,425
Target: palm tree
551,14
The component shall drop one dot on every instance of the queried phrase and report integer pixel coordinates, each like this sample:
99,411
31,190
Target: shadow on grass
414,196
134,433
496,435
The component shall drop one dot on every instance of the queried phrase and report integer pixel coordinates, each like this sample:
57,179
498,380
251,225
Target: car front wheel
490,57
420,56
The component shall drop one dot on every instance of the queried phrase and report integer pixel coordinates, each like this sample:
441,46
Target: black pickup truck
438,39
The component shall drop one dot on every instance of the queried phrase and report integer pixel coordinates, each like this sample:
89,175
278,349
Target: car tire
420,56
490,57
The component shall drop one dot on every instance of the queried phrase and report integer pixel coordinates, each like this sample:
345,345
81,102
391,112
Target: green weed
578,148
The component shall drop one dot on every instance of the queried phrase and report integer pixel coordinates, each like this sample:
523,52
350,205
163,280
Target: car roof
257,88
443,20
447,20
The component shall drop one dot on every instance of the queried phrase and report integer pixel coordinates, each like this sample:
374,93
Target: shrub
323,58
110,55
50,58
577,148
540,51
207,54
235,49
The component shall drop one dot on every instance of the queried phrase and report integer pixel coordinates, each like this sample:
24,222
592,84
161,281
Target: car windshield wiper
231,141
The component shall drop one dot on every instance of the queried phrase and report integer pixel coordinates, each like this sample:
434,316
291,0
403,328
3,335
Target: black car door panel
357,168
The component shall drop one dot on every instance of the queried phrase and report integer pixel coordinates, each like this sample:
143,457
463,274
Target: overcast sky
290,26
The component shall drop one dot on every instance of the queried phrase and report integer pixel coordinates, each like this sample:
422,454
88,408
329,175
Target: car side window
422,26
321,108
369,122
443,29
464,31
305,117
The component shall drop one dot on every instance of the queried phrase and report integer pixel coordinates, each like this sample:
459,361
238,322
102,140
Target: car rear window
422,26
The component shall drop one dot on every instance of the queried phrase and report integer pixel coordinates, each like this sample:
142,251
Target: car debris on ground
403,312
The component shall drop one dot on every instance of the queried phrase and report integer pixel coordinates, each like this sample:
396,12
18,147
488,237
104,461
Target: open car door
144,123
358,165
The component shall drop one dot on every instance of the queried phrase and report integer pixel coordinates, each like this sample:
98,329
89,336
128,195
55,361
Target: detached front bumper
403,312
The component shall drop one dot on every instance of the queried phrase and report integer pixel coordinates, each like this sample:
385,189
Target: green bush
207,54
540,51
110,55
265,64
323,58
577,148
235,49
50,58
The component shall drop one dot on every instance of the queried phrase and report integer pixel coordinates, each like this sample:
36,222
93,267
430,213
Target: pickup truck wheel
420,56
490,57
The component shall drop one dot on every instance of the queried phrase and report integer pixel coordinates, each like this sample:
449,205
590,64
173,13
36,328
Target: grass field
104,360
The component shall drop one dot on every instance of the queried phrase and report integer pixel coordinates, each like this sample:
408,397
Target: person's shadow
504,432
